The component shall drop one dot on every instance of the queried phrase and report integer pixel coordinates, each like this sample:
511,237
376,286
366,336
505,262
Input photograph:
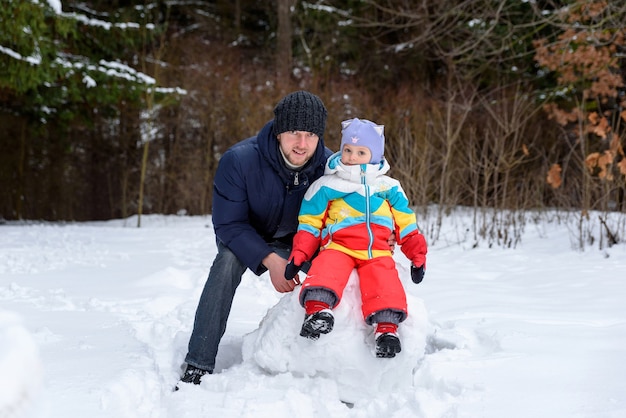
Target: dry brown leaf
622,166
602,128
562,117
554,176
525,150
592,161
604,161
606,157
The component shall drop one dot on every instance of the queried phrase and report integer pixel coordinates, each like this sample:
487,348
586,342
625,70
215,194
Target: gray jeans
215,304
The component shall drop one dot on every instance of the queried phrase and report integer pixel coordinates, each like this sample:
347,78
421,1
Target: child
349,214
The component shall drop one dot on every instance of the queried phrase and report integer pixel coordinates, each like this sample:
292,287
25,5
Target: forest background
115,108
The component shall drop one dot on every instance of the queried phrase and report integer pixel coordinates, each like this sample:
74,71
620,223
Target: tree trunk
283,45
19,188
144,164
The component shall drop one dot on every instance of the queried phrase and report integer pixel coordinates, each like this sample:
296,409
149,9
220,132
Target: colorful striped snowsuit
350,213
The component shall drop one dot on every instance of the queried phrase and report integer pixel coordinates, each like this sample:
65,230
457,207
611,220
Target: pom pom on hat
364,133
300,111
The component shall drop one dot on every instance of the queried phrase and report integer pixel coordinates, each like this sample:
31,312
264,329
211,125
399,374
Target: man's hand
276,265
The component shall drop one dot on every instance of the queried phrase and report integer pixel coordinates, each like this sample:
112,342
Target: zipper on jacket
296,182
367,212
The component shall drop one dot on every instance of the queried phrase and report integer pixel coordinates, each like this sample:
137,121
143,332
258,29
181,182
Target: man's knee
227,267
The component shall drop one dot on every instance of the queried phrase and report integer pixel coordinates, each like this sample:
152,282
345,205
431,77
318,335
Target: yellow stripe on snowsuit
406,222
359,254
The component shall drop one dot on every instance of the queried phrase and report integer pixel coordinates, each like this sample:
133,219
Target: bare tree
475,36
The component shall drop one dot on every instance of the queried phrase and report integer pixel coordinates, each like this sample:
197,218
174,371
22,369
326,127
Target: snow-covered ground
95,319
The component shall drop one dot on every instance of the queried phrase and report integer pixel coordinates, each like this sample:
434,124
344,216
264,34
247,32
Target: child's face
353,155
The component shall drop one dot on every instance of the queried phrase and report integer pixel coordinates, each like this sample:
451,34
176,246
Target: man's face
298,146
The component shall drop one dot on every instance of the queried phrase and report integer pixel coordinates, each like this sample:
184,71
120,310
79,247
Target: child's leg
381,290
322,290
384,303
329,272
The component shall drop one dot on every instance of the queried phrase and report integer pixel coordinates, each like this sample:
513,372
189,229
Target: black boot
193,375
387,345
317,323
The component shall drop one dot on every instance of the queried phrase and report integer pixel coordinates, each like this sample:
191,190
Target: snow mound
347,354
21,373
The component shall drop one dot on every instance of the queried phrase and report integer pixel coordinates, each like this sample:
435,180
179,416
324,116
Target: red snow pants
379,282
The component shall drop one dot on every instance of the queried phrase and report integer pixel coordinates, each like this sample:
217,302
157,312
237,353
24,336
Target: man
257,191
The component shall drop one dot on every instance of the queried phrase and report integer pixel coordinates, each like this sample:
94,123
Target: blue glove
291,270
417,273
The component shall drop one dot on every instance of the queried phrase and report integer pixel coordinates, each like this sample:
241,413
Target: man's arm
231,217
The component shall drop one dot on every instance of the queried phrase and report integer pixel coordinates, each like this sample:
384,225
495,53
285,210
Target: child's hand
292,269
417,273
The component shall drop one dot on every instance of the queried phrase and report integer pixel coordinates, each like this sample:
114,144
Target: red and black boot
387,341
318,320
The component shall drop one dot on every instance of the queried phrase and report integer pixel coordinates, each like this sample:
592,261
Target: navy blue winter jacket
256,198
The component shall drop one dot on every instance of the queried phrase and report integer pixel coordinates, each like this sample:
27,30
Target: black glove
417,273
291,270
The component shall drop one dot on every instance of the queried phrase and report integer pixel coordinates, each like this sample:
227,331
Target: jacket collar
355,173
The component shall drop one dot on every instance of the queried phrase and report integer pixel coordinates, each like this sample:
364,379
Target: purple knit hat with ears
363,133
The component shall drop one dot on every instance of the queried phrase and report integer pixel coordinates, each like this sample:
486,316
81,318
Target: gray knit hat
300,111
